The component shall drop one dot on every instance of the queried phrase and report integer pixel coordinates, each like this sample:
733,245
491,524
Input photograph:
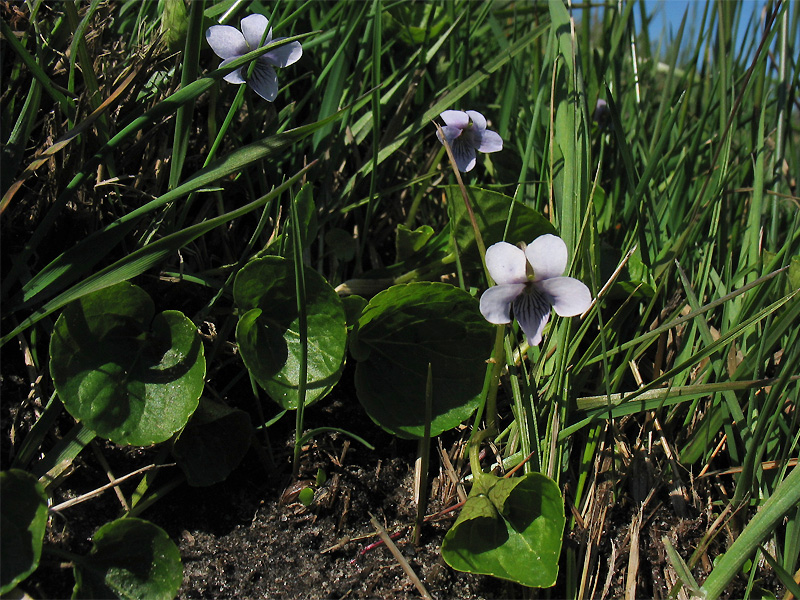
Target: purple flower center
531,302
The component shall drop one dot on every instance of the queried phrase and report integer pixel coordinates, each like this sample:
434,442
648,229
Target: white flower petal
464,153
496,302
450,134
455,118
226,41
253,28
477,119
236,76
548,256
569,296
264,81
490,142
285,55
532,312
506,263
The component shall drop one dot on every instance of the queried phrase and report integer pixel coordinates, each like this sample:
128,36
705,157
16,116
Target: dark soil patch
247,538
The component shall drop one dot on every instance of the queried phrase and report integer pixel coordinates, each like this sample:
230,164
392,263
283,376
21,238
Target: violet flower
530,296
465,132
229,44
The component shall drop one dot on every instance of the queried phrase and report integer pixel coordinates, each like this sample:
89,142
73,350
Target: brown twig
400,558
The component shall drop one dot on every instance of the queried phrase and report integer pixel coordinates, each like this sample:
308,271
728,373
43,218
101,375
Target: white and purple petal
532,312
496,302
455,118
464,153
264,81
506,263
226,41
236,76
285,55
478,120
568,296
450,134
490,141
253,28
548,256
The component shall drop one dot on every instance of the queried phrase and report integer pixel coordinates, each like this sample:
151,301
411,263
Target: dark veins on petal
531,305
461,151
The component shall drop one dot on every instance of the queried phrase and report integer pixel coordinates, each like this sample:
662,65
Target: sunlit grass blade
785,498
190,63
150,117
84,255
146,257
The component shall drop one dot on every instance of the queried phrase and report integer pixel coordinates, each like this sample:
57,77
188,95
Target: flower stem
498,356
465,195
474,451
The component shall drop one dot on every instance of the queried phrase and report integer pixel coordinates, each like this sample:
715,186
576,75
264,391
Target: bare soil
249,537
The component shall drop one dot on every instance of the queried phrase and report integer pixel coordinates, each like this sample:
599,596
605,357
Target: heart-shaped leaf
127,375
268,332
131,558
23,518
400,331
509,528
213,443
492,212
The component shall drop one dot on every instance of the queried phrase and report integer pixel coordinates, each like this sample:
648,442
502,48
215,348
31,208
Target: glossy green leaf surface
131,558
213,443
23,517
509,528
400,331
492,210
408,241
128,375
268,330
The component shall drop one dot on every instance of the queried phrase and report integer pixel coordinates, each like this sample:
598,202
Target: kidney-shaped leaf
268,333
213,443
509,528
127,375
131,558
492,212
23,518
400,331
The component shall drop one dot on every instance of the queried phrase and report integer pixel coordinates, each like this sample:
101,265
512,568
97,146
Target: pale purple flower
465,132
602,113
229,44
531,296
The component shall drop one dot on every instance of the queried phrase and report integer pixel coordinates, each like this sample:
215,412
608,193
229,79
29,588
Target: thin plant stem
424,455
302,319
465,195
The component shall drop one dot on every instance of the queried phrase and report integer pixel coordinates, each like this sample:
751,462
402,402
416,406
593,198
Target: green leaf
23,518
213,443
129,376
131,558
341,243
509,528
793,274
399,333
408,241
492,212
353,306
307,215
174,23
268,332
